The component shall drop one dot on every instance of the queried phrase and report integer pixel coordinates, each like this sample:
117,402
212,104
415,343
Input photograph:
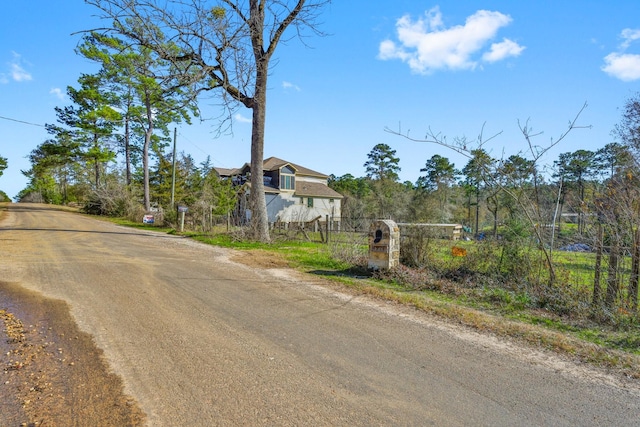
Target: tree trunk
65,183
635,272
581,213
145,155
477,211
127,149
145,167
469,209
612,279
443,202
257,201
561,210
96,159
494,212
597,290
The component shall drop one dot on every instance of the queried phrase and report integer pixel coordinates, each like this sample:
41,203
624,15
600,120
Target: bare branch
460,145
536,151
530,208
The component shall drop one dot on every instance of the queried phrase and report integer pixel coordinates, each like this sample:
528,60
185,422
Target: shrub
416,278
115,201
350,249
416,248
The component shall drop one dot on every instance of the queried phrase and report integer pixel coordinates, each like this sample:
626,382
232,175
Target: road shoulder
53,373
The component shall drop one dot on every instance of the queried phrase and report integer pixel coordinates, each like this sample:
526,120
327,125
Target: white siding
311,179
300,212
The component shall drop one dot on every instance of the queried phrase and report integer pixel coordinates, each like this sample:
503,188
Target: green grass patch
228,241
307,255
319,259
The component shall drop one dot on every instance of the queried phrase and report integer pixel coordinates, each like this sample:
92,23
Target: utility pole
173,172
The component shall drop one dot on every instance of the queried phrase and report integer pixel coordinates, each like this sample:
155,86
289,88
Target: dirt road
199,339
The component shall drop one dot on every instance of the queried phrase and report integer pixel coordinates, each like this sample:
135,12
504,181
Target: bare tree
530,206
230,46
624,161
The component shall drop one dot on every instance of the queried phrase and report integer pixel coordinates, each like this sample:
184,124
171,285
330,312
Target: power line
215,161
190,142
21,121
39,125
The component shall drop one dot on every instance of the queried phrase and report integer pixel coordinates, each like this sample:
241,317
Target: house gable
294,193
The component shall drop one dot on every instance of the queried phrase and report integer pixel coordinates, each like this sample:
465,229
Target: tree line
485,192
524,210
158,61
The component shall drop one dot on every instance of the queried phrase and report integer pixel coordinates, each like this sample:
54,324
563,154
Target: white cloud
502,50
629,36
18,73
57,92
621,65
625,66
427,45
289,85
241,119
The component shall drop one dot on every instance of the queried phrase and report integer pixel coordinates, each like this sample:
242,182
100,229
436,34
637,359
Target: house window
310,202
302,200
287,182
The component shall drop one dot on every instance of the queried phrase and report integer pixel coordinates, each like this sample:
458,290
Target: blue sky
454,67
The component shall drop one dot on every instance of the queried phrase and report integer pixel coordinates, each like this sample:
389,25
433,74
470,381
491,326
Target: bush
417,278
351,248
170,218
416,249
115,202
507,300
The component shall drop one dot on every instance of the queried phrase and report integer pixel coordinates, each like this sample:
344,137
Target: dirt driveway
197,338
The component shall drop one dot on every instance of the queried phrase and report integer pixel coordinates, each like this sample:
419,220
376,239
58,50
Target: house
293,193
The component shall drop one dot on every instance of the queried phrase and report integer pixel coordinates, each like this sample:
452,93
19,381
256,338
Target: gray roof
315,189
274,163
303,188
226,172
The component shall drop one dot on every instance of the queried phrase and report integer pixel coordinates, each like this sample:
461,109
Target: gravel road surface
199,338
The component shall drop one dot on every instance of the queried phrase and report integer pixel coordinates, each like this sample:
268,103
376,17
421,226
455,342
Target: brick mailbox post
384,245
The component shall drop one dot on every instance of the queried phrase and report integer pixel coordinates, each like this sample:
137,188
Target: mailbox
384,245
